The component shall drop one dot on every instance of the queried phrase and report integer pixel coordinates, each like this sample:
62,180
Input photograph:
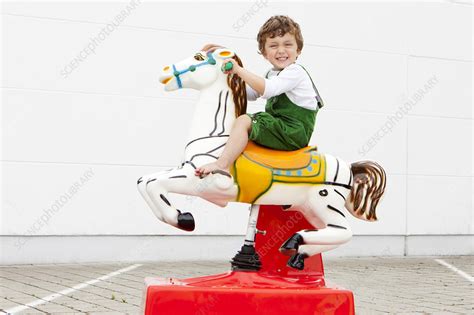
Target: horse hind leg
299,248
304,251
324,208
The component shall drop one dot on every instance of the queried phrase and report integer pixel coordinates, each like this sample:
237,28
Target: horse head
202,71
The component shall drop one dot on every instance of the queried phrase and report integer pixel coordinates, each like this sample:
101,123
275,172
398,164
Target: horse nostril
166,68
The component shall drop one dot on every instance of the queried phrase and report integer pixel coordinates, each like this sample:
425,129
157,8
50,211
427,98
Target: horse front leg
324,209
141,185
155,188
216,188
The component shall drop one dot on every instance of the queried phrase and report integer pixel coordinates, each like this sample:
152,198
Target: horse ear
223,53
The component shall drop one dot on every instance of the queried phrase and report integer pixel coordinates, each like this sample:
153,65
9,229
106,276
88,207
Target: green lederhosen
284,125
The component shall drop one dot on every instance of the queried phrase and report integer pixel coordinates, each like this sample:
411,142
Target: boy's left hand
211,47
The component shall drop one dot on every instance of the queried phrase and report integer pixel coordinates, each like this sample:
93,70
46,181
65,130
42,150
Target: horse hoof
290,247
185,221
297,261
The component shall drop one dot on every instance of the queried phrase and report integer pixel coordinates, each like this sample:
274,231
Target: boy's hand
235,66
211,47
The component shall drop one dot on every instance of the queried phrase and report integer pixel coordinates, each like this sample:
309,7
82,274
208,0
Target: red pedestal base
244,292
274,289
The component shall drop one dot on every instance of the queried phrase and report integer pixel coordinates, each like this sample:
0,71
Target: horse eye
199,57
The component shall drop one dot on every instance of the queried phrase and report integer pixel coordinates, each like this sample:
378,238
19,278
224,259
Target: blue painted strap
210,61
176,74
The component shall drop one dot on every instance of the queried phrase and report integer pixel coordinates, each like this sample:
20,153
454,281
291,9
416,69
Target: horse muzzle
165,80
166,75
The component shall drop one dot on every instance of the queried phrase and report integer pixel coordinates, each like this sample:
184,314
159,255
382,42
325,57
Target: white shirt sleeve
252,95
285,81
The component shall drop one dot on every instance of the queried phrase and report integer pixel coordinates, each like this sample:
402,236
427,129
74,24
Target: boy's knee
244,121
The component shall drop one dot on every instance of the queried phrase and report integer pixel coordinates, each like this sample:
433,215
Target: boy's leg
236,144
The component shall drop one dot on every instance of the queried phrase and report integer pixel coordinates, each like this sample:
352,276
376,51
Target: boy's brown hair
279,25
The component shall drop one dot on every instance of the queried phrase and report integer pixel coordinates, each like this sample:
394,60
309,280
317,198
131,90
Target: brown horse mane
239,93
235,83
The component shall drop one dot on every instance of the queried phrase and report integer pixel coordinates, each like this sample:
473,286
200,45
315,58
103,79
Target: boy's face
281,51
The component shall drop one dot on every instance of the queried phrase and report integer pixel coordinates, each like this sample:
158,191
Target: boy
292,99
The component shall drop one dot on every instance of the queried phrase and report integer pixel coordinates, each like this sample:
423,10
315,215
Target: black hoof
185,221
297,261
139,180
290,247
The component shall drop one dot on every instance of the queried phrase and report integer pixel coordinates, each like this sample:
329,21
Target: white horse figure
318,185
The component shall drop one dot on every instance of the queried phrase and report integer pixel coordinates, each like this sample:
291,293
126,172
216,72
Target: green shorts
275,133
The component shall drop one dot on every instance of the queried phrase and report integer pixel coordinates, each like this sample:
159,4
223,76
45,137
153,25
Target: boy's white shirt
294,81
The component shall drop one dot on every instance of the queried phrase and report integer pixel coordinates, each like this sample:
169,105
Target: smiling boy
292,98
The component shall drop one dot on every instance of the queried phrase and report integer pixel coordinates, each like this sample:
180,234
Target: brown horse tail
237,86
367,189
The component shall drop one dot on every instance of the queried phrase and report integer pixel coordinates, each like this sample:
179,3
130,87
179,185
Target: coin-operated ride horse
318,186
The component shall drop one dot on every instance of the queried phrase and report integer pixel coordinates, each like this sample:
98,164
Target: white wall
110,122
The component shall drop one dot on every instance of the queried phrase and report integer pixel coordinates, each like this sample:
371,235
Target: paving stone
103,313
55,308
381,285
6,304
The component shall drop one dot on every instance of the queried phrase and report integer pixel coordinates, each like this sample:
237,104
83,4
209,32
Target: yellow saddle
257,168
278,159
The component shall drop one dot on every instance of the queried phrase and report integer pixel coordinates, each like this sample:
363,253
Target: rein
210,61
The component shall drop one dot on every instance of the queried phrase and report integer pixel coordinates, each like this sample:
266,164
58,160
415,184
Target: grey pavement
381,285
